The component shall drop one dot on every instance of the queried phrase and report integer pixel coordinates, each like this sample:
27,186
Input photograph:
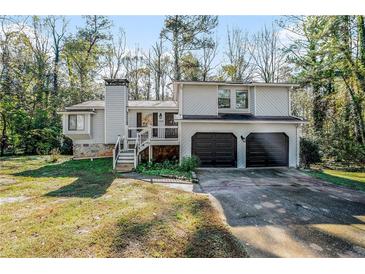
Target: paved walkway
286,213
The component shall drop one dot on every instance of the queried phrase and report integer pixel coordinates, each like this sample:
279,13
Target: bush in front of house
189,164
66,146
170,168
41,141
309,152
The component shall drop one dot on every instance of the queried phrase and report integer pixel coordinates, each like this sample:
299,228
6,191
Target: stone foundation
92,150
161,153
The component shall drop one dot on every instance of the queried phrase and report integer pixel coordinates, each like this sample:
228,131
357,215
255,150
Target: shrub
189,163
309,152
66,146
40,141
55,155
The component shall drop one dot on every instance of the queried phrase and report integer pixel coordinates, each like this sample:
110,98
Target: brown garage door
215,149
267,150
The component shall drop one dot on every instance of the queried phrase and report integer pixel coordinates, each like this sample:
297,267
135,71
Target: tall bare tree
58,26
239,67
206,60
268,57
114,55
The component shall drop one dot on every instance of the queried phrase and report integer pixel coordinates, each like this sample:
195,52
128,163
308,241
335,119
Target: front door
169,121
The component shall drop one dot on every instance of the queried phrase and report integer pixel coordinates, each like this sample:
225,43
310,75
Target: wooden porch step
124,167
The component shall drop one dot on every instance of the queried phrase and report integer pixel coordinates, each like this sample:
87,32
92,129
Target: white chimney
116,100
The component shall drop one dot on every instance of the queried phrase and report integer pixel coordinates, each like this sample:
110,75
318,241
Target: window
241,99
76,122
224,98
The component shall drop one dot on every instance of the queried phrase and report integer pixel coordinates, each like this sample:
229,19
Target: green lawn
80,209
355,180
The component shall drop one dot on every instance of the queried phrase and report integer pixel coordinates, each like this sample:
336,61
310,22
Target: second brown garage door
267,150
215,149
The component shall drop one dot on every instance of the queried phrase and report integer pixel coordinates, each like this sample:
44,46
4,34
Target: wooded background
45,67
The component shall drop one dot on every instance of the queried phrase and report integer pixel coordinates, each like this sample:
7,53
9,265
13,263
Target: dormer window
224,98
241,99
76,122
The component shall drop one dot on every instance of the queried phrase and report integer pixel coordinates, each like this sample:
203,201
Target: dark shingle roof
241,117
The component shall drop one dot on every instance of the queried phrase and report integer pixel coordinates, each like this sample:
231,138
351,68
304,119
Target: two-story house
225,124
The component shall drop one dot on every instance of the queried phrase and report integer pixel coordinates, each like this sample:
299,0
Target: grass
354,180
80,209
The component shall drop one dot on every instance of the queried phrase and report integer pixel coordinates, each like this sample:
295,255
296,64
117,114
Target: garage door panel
215,149
267,150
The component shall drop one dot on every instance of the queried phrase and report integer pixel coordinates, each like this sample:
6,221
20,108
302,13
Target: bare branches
268,58
239,67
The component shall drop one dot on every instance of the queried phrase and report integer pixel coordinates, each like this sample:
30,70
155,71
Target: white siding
94,129
115,112
252,100
199,100
79,134
97,127
272,101
189,129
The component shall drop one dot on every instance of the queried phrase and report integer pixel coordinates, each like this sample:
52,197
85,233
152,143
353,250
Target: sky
143,31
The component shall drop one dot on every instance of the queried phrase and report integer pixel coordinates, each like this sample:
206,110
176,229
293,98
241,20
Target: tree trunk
319,114
3,135
177,75
361,35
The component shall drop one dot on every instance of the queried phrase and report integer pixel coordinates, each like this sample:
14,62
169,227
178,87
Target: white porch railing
143,139
118,147
157,133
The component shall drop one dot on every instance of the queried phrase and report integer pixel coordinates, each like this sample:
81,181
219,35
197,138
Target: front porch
144,142
157,135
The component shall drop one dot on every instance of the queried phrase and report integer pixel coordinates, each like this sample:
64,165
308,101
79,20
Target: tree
268,58
209,53
134,62
239,67
155,63
82,53
327,54
190,67
114,55
187,33
58,26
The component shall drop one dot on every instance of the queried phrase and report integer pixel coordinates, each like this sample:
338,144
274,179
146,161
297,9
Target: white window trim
248,99
233,108
87,123
77,116
230,98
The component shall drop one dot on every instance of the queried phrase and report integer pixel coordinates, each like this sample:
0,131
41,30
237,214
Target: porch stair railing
123,155
143,141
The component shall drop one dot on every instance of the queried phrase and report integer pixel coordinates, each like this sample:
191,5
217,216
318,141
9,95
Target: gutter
242,121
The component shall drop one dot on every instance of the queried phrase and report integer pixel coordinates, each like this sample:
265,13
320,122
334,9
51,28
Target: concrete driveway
286,213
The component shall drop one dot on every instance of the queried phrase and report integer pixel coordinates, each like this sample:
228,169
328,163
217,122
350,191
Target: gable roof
152,104
100,104
97,104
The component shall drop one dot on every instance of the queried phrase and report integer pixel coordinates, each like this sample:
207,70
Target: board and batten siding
96,129
199,100
115,112
188,129
272,101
